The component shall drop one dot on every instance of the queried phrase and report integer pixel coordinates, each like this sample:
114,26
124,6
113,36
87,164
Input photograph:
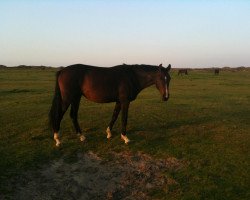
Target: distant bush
2,66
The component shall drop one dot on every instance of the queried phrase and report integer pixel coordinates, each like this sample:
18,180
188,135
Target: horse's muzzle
164,98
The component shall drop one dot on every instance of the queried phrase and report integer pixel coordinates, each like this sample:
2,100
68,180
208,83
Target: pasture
204,128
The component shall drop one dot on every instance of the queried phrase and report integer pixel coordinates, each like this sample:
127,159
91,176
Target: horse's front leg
114,118
124,107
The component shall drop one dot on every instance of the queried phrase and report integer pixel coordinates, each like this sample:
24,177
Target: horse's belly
100,87
100,95
100,99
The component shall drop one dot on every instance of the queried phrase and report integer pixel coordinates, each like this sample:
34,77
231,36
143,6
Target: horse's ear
169,67
160,67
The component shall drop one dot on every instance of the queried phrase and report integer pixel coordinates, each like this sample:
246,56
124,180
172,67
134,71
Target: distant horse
120,84
183,71
216,71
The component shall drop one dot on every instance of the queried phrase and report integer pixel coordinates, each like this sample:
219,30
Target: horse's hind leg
74,116
61,109
114,118
124,107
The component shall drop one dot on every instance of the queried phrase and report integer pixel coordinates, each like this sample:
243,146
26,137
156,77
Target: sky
185,33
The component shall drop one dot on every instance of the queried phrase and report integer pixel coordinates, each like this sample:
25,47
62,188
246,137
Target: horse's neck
146,79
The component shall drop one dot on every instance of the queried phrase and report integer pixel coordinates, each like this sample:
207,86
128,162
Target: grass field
205,122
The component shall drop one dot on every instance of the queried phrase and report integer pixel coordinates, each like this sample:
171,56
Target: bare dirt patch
119,176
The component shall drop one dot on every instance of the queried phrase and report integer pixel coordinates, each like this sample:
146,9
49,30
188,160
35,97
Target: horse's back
97,84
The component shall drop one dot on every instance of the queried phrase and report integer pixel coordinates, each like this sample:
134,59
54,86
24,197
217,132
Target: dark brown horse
183,71
216,71
120,84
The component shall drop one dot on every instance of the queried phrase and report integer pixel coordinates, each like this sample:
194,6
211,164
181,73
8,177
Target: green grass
205,122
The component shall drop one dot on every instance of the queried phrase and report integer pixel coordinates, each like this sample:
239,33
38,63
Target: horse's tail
56,107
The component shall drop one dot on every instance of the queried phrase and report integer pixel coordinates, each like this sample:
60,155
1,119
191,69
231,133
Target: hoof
58,143
82,137
108,133
125,138
56,138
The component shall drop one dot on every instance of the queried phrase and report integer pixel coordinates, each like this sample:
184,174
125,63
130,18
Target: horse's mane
146,68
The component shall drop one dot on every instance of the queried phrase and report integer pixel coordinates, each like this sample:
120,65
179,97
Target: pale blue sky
106,33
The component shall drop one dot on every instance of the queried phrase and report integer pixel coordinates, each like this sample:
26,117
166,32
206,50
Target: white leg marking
108,133
125,138
56,138
82,137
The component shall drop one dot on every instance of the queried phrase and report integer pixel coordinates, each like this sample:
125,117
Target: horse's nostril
164,98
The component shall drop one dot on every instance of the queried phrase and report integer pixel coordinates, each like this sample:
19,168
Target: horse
120,84
183,71
216,71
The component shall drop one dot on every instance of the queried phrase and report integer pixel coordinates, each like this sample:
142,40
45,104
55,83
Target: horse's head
162,81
